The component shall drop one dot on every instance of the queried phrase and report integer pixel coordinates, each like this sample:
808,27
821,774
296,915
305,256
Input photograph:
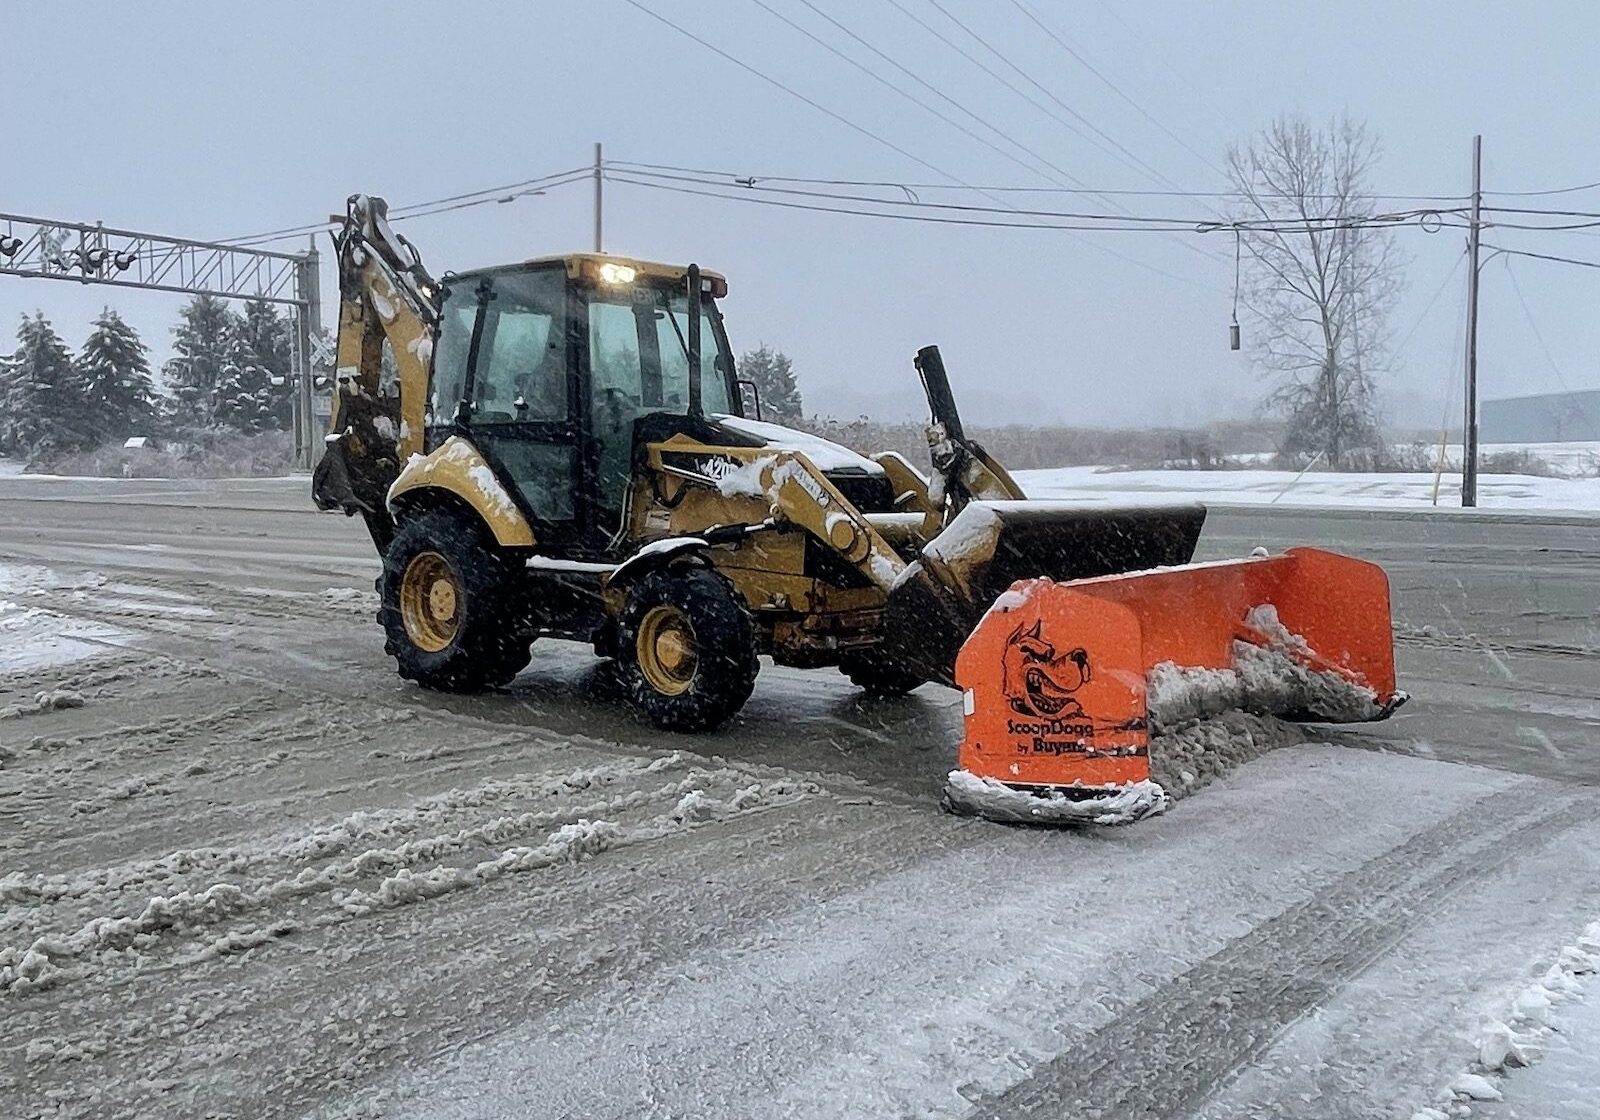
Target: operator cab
558,366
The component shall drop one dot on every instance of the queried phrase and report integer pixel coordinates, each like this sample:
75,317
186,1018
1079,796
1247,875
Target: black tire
487,645
702,611
876,676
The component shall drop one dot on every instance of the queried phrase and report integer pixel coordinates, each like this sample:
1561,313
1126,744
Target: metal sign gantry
46,249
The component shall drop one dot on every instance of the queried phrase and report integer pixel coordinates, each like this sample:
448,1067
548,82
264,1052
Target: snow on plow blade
1064,682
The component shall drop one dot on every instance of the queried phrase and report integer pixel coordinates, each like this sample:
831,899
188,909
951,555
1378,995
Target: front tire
686,649
448,606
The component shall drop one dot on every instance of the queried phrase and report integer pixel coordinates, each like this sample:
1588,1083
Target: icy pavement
1011,972
1315,488
259,876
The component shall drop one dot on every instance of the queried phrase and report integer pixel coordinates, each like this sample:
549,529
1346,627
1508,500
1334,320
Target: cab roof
575,265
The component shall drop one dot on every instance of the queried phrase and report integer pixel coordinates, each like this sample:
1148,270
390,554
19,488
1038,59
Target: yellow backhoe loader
563,449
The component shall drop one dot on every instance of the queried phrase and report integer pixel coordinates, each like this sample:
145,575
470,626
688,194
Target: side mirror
754,394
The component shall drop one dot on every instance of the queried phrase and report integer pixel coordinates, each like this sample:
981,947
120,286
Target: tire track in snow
1172,1049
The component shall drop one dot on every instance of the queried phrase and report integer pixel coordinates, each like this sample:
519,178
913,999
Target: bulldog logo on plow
1040,682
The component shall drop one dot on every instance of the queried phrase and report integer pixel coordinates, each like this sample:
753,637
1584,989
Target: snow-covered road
253,874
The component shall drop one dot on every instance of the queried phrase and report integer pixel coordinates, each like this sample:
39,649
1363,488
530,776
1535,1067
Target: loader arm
384,294
962,470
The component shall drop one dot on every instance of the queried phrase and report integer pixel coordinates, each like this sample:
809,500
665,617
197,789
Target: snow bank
1516,1031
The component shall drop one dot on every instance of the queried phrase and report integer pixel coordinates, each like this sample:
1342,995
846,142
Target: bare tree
1319,278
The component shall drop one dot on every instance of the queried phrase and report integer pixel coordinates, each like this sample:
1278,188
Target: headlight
613,273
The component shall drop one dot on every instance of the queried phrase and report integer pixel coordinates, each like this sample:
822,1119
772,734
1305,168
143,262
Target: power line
401,212
1527,313
1542,256
920,80
792,92
1162,222
1087,65
1002,189
762,4
864,131
1556,190
1087,123
1439,291
713,190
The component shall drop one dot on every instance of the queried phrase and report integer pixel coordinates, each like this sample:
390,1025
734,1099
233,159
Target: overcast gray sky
219,120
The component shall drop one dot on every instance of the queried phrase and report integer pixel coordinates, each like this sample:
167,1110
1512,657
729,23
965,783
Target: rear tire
686,649
878,677
448,606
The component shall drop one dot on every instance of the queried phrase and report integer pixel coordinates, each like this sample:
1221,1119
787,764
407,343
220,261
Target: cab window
521,371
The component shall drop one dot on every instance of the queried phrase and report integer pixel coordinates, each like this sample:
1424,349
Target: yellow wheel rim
430,602
668,655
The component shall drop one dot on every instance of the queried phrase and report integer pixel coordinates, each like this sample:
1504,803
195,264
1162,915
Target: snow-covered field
1314,488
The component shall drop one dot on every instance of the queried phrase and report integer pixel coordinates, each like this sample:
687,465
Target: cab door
520,396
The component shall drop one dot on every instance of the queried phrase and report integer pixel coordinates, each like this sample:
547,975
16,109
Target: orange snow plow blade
1063,682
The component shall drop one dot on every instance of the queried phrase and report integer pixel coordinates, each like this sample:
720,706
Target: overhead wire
1542,256
791,91
931,87
1095,136
413,210
659,18
1549,357
1001,189
1551,191
1087,65
881,80
1161,222
1105,223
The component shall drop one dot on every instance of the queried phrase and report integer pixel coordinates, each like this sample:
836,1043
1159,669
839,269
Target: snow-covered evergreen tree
119,397
8,372
243,396
42,412
268,335
773,373
204,343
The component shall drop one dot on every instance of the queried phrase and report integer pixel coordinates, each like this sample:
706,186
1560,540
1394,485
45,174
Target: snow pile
50,700
994,800
1515,1033
1189,756
1263,679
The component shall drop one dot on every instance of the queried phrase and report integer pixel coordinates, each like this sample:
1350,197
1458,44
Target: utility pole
308,324
599,179
1469,421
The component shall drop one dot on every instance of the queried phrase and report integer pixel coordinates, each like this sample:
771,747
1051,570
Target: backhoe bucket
1064,683
991,545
